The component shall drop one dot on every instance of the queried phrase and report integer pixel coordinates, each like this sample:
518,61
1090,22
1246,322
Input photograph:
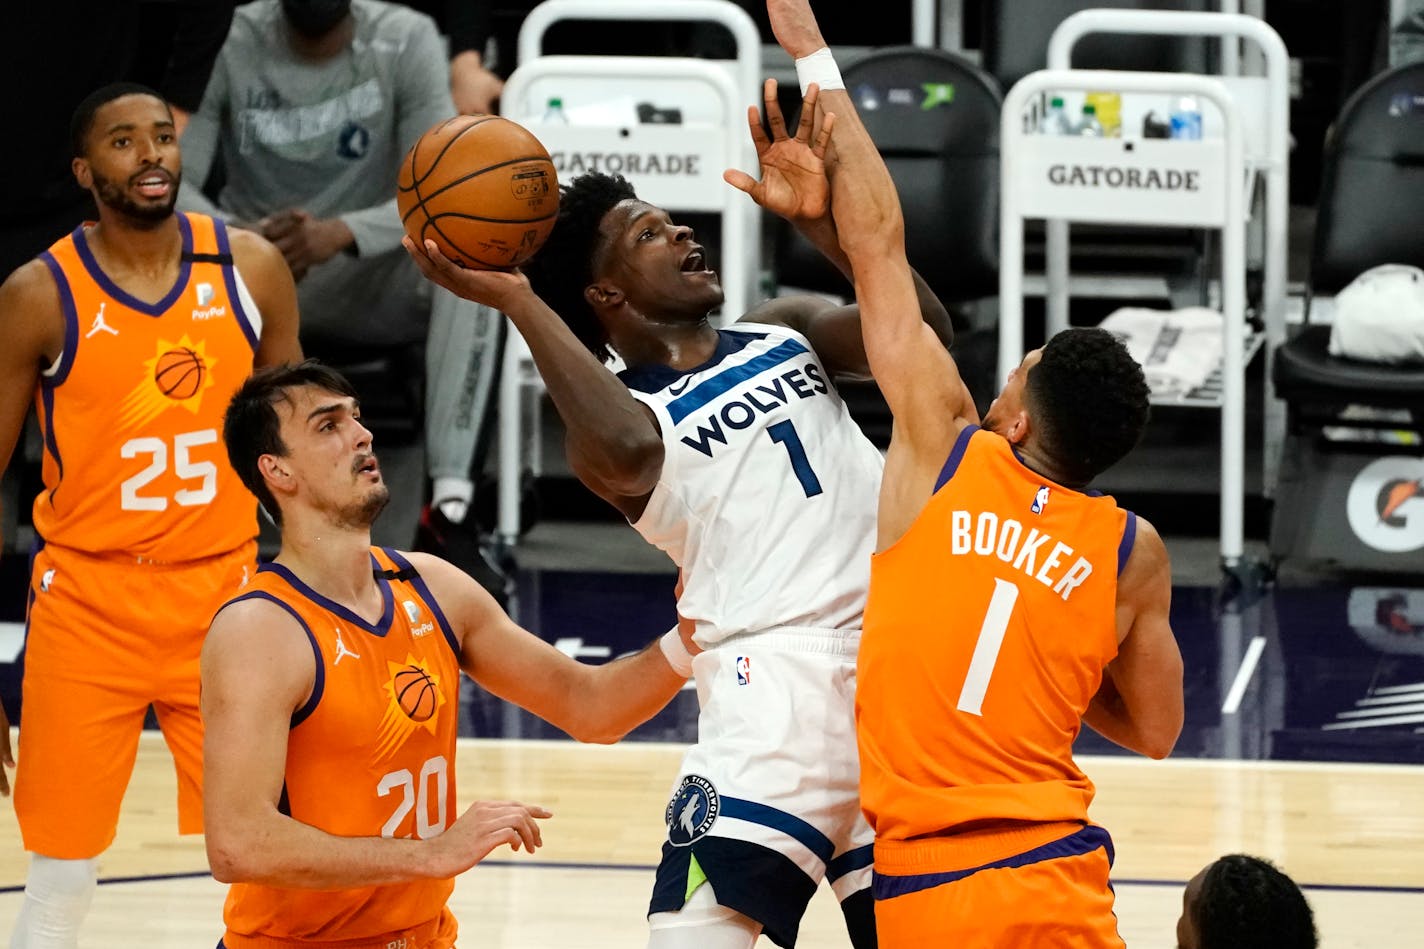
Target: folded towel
1177,349
1379,317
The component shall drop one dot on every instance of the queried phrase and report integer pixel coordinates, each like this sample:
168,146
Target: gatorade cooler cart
618,112
1206,183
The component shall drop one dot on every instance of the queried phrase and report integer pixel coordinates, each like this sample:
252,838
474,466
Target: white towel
1379,317
1177,349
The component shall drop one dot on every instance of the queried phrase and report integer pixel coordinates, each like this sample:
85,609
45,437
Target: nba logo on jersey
205,294
744,670
1040,499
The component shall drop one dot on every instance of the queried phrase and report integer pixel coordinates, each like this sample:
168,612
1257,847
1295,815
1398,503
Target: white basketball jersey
768,492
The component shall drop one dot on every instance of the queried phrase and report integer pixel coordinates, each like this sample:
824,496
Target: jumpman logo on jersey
342,651
99,324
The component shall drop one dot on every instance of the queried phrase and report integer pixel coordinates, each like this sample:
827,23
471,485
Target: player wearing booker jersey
331,695
1007,605
731,451
128,335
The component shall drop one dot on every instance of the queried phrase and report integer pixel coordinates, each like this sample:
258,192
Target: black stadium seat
942,149
1371,203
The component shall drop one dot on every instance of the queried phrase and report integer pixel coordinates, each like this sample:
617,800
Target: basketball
179,373
415,691
482,188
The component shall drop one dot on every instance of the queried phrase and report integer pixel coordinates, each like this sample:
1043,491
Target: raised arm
794,185
257,670
592,703
915,372
613,444
1139,705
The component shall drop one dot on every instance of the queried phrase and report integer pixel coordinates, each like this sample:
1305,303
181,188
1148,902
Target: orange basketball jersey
132,410
370,754
986,632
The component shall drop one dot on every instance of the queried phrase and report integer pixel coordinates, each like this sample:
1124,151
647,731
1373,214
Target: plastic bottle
1109,111
554,112
1187,119
1055,120
1089,124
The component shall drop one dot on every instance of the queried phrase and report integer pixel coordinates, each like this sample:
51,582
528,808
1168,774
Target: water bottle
554,112
1187,119
1055,120
1089,125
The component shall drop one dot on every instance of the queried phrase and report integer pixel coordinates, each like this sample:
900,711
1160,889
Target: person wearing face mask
311,107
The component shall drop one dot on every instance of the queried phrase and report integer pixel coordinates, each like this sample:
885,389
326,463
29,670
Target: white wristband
820,67
676,652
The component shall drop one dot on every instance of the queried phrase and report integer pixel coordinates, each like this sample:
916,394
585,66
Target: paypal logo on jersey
745,407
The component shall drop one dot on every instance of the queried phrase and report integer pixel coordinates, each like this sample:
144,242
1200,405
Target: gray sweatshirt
327,137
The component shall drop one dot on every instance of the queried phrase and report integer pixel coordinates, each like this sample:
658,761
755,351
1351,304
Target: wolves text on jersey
740,411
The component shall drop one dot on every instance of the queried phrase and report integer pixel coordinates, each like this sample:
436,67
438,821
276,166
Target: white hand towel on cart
1177,349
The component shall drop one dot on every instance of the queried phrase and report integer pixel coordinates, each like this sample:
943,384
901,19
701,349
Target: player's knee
57,896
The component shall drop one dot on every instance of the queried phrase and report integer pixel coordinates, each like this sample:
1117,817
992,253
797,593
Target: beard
360,515
115,196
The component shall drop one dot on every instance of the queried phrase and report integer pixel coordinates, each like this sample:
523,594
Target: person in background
312,106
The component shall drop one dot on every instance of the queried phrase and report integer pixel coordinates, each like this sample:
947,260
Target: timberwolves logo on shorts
692,810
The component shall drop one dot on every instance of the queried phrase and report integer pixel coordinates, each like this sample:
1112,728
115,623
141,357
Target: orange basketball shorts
1053,894
108,637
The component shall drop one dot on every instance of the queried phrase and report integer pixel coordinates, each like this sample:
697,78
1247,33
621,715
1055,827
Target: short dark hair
1089,401
83,119
563,268
1246,903
252,429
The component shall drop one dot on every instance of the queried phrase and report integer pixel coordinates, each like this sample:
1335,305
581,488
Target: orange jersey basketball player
128,335
1008,603
331,693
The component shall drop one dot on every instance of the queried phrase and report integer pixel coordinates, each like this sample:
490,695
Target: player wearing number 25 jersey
129,335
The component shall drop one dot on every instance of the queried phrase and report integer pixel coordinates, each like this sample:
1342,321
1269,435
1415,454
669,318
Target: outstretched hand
494,288
793,181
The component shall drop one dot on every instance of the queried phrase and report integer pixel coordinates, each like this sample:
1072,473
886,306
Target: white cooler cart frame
1216,166
720,145
1264,102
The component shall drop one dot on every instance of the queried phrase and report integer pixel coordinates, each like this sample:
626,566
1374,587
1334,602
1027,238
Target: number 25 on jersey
199,477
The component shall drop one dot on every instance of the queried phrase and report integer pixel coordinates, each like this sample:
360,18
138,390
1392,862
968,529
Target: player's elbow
226,858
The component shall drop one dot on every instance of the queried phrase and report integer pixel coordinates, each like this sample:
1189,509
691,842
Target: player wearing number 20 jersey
143,529
371,753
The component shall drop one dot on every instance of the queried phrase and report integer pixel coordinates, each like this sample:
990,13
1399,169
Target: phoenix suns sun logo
415,698
178,374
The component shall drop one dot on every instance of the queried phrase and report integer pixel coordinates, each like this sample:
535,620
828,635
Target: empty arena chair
935,119
1352,449
1015,33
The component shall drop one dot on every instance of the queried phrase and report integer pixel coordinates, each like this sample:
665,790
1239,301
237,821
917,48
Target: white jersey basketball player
731,450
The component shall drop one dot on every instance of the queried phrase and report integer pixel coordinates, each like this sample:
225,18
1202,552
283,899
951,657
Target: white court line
1391,689
1382,710
1243,676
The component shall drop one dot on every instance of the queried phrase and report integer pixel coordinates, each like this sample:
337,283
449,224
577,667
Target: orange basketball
415,691
482,188
179,373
